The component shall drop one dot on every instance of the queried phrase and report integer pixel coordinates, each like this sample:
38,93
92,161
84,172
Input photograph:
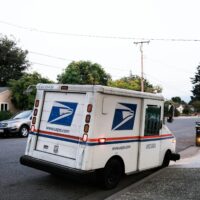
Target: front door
149,147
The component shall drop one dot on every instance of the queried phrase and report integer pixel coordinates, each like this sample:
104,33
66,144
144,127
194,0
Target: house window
4,107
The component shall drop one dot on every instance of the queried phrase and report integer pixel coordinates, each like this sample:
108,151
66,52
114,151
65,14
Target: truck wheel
23,132
112,174
166,159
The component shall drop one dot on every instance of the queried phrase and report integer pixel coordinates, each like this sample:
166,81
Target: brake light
35,112
86,128
37,103
85,137
64,87
87,119
89,108
34,120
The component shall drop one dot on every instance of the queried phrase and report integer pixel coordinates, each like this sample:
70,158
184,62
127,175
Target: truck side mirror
170,113
29,89
161,124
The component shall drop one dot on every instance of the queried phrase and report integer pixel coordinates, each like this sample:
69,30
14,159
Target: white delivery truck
85,128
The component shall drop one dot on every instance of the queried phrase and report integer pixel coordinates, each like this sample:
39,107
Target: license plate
1,130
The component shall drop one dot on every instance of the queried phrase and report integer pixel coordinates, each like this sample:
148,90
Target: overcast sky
43,27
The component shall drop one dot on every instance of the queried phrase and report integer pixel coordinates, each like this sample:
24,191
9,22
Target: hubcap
24,132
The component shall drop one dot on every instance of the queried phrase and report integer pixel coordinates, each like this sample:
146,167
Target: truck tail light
89,108
85,137
64,87
86,128
87,119
34,120
35,112
37,103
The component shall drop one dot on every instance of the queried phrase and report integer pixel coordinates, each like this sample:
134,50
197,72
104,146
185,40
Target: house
180,108
5,100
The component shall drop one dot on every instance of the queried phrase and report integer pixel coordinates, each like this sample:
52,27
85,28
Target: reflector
85,137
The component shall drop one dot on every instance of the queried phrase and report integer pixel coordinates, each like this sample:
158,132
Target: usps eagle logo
124,116
62,113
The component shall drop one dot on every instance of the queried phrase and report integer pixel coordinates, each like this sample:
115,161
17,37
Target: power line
50,56
61,58
98,36
52,66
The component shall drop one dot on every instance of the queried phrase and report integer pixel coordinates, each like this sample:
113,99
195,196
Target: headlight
3,125
173,140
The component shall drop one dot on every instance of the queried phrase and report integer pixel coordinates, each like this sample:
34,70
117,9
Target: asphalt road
24,183
184,130
20,182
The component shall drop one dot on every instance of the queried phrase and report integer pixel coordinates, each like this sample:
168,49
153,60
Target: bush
187,110
5,115
176,113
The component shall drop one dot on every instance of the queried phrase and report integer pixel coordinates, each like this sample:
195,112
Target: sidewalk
179,181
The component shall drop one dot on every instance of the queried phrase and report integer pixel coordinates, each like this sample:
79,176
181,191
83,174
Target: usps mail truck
83,128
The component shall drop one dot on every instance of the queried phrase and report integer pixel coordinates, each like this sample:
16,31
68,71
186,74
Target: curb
127,189
116,195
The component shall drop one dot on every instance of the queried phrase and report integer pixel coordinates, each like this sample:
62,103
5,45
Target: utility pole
142,67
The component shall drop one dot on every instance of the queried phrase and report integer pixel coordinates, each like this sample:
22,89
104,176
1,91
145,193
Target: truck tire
111,174
24,130
166,159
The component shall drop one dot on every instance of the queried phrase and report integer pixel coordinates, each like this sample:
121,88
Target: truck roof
98,89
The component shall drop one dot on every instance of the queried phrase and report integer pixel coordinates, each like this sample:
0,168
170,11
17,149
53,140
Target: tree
176,100
196,85
13,61
84,72
19,98
187,110
133,82
195,99
196,105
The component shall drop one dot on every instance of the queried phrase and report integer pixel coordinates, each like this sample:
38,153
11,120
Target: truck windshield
22,115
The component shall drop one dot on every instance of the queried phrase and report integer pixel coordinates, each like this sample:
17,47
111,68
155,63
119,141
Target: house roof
3,89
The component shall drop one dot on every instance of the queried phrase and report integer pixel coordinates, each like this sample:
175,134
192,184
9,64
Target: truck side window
152,120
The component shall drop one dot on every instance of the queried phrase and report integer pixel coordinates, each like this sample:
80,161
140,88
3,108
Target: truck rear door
60,124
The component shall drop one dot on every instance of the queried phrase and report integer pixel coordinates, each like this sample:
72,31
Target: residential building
5,100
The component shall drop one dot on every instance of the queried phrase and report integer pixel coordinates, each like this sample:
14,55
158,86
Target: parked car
18,124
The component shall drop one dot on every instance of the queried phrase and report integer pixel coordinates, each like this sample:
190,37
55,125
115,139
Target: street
184,130
20,182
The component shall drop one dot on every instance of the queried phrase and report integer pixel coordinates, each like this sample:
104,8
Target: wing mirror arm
29,89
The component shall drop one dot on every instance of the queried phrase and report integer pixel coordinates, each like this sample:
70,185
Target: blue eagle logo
124,116
62,113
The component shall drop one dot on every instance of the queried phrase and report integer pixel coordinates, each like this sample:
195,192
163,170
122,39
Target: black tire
24,130
166,159
5,135
111,174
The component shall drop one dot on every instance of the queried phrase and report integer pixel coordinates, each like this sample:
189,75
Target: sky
56,32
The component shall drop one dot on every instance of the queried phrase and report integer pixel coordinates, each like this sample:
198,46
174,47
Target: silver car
18,124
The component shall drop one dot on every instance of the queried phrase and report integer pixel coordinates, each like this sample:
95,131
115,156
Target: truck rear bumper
51,167
175,156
